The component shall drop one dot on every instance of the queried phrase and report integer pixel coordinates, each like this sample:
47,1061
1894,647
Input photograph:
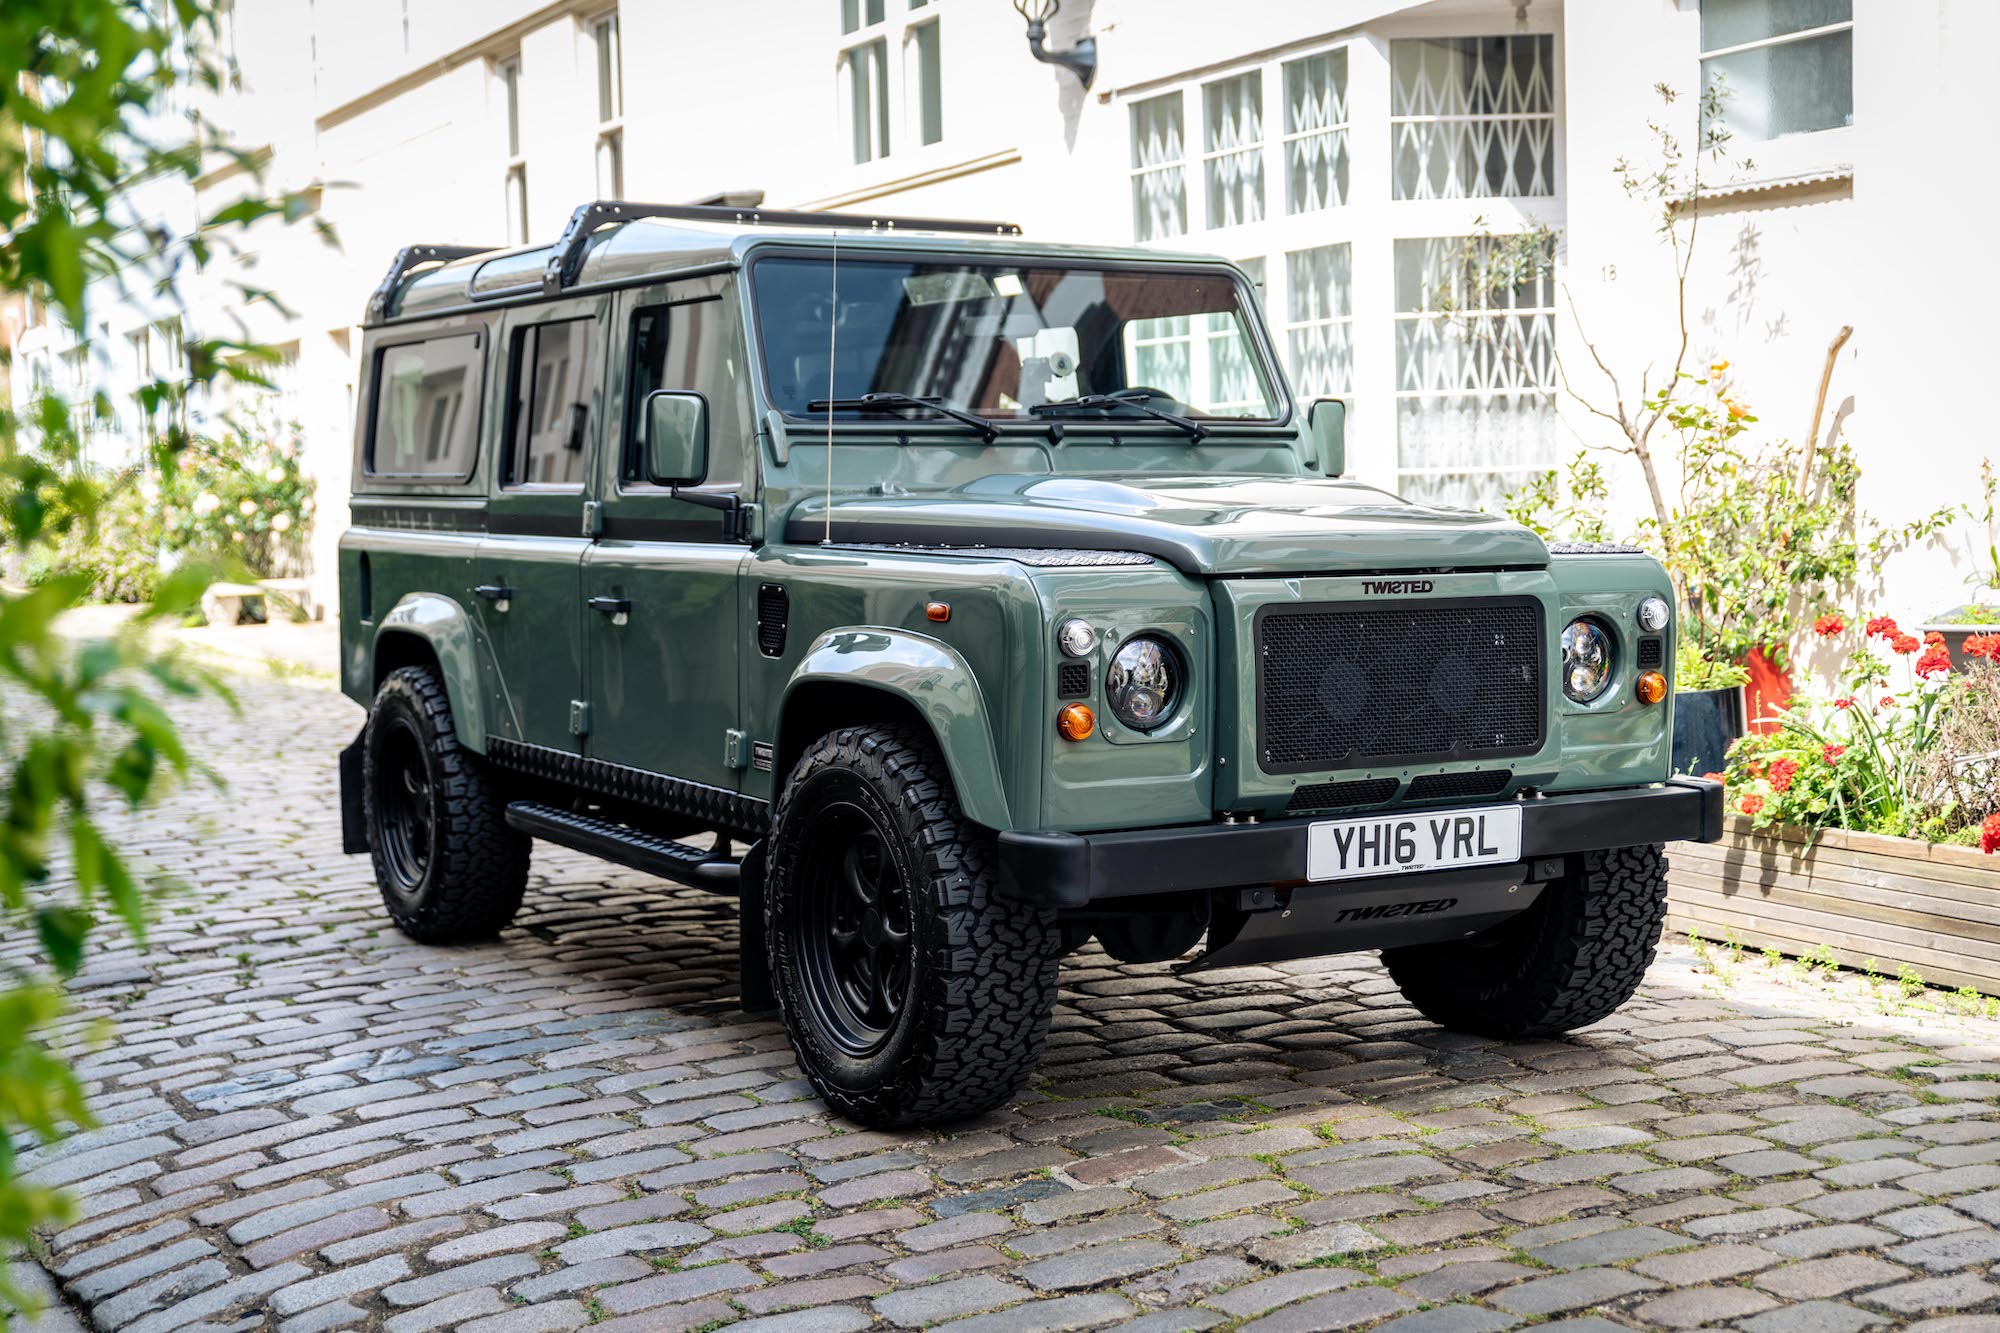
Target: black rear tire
1573,957
449,867
912,993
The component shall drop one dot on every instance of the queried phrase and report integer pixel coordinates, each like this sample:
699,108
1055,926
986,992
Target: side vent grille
772,605
1652,653
1443,786
1340,795
1073,680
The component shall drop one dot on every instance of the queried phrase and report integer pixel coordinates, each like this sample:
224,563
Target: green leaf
62,931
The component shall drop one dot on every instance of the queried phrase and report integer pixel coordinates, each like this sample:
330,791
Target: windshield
998,339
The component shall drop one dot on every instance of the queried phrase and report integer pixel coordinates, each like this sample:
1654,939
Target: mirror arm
730,503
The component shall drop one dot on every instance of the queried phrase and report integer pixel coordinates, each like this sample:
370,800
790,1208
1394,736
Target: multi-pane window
515,197
1232,149
1316,132
1475,374
1319,319
1785,66
610,107
1205,359
1472,117
1159,169
874,98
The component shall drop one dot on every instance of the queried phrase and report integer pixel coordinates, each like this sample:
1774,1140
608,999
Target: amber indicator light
1652,687
1076,722
938,611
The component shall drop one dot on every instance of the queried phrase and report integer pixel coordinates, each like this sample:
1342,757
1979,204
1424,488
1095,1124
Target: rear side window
427,408
552,383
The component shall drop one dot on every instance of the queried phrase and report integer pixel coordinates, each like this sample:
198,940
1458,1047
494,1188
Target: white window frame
609,153
514,162
1522,118
1787,153
1185,164
895,103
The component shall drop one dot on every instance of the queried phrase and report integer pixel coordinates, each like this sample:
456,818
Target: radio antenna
832,347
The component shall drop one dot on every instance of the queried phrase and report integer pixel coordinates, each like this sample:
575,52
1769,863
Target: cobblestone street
309,1122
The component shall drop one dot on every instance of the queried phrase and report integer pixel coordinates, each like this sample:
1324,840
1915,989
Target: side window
426,409
551,404
688,345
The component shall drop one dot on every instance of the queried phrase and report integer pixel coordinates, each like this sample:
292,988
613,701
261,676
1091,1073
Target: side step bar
626,846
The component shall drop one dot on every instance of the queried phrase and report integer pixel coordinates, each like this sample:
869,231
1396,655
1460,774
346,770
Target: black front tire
1572,958
874,875
449,867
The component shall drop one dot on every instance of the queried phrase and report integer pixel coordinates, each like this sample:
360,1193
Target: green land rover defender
953,600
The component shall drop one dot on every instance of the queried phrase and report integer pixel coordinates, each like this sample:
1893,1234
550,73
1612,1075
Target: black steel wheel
911,992
448,865
859,947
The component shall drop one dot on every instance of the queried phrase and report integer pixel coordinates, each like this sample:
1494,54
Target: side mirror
676,437
1326,427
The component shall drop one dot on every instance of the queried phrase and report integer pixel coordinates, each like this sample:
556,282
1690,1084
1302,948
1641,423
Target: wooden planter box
1862,895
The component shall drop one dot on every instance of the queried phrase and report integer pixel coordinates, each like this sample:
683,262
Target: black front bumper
1075,869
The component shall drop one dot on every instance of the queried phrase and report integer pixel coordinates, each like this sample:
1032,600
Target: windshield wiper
901,402
1132,398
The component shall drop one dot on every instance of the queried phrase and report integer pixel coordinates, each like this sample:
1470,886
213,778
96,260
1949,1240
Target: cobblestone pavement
311,1123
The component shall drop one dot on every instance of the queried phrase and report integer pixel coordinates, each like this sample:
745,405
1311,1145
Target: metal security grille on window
1233,149
1347,686
1319,312
1159,182
1475,408
1316,160
1472,117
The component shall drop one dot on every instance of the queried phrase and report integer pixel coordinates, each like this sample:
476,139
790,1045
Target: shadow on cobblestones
312,1123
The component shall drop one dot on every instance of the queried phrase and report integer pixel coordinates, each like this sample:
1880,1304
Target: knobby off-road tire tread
479,870
1581,952
990,975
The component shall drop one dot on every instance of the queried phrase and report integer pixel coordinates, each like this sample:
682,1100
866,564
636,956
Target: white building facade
1340,150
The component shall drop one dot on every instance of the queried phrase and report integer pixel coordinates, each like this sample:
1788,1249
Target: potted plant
1863,829
1708,708
1981,615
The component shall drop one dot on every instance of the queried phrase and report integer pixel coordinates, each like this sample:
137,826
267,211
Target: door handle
497,593
618,608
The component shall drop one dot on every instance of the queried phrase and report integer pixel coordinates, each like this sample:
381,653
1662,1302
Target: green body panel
462,657
938,683
693,686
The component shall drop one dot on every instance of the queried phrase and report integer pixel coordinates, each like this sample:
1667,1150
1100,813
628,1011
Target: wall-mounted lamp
1080,59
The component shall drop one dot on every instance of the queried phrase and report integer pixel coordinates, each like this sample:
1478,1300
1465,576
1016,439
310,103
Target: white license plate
1403,844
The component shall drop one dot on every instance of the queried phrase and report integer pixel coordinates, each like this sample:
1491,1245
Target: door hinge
579,718
593,518
735,749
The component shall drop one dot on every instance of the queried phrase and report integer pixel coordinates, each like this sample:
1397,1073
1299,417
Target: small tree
93,97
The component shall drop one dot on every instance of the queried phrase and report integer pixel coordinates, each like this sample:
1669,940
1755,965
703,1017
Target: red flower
1906,643
1828,626
1888,701
1989,834
1714,777
1782,773
1832,753
1753,803
1982,645
1844,702
1883,626
1934,636
1936,661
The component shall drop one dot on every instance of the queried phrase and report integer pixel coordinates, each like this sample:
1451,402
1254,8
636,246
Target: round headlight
1076,637
1653,614
1586,664
1144,683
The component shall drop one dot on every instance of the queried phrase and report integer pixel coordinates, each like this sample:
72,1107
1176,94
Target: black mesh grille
1073,680
1444,786
772,606
1341,685
1652,652
1341,795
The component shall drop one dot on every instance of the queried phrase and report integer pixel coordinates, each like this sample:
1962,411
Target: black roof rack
407,258
566,259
